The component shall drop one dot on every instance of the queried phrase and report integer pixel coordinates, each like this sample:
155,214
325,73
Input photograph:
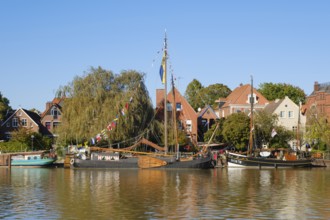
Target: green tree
264,124
236,130
317,129
4,106
273,91
218,137
192,94
97,100
198,96
213,92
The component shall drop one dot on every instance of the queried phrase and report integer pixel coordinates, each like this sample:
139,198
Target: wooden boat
206,162
32,160
239,160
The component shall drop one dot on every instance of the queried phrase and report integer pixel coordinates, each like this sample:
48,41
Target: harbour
224,193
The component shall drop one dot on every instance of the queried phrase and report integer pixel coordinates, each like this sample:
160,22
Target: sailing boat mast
176,142
251,119
165,94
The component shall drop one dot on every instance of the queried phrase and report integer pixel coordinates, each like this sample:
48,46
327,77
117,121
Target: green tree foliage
264,123
21,140
218,137
192,94
317,130
4,106
199,96
96,99
273,91
236,130
213,92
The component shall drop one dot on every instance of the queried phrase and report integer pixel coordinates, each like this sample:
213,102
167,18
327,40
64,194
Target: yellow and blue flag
162,70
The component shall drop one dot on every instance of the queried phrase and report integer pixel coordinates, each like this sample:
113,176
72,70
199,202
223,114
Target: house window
47,125
7,135
55,125
189,125
178,106
169,107
290,114
24,122
282,114
294,129
15,122
54,111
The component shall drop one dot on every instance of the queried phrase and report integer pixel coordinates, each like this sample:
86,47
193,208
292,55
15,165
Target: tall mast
176,147
165,94
251,119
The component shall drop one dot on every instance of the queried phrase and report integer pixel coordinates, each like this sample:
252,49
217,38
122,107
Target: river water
233,193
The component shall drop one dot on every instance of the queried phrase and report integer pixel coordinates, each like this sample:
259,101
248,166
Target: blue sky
45,44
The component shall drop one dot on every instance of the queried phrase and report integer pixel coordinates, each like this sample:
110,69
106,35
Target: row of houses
195,124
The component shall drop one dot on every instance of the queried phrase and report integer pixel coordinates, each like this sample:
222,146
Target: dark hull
202,163
123,163
267,162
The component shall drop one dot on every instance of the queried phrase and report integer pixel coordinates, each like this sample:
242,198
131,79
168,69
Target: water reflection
157,194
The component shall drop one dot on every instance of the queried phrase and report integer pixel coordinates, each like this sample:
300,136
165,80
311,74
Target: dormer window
252,98
54,112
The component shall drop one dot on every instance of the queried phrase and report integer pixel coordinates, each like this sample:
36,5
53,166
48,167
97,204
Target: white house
289,116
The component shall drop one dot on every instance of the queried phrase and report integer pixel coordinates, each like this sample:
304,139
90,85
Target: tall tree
317,130
213,92
198,96
102,101
273,91
236,130
265,128
192,94
4,106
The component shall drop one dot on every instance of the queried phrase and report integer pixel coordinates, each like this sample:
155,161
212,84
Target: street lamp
32,136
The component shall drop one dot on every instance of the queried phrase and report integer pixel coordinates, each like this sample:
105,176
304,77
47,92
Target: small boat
32,160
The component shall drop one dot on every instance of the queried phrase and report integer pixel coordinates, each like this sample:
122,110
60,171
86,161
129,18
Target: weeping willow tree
119,105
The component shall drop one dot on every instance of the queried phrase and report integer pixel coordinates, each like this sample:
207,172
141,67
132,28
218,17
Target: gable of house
52,116
186,115
239,101
289,113
318,101
21,118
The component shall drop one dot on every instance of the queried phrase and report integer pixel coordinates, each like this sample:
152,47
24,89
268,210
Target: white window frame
15,122
24,122
282,115
290,114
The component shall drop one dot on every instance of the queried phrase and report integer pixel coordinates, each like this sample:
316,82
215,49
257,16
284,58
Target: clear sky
45,44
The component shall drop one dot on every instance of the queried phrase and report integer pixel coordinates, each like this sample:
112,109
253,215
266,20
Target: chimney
316,86
48,105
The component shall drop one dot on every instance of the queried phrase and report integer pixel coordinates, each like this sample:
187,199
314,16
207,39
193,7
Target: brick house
318,101
239,101
21,118
52,116
186,115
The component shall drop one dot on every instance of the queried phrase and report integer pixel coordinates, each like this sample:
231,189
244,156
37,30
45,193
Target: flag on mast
162,70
